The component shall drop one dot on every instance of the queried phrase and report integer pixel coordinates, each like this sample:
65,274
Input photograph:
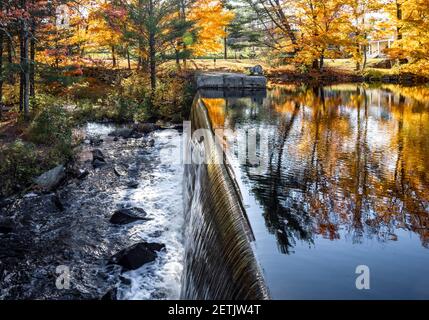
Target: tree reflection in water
345,161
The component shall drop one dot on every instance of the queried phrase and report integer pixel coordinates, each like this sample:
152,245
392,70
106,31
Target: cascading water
219,260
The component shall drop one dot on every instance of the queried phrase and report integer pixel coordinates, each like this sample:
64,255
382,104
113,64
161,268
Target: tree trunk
24,94
21,68
11,77
399,18
128,58
113,57
177,54
225,47
152,53
26,73
365,58
315,64
322,61
32,57
1,64
152,49
359,57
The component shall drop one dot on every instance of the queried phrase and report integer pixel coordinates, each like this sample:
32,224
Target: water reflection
345,162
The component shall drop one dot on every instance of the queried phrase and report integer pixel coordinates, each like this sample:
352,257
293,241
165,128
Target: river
342,182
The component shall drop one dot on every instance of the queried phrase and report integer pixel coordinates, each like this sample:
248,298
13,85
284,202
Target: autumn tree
360,26
411,19
211,19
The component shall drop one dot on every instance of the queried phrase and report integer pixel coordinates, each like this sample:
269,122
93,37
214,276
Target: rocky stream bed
113,218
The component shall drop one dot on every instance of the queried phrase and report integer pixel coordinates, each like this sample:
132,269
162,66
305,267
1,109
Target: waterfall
219,261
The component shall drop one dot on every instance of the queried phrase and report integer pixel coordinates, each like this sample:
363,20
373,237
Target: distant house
377,48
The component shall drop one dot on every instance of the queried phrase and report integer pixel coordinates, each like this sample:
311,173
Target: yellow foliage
210,19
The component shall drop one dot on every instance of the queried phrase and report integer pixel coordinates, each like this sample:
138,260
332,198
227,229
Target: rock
151,143
126,216
51,179
98,159
133,184
124,133
5,229
137,135
393,237
98,164
56,199
98,155
111,295
96,141
119,171
137,255
256,71
82,174
145,127
6,225
125,281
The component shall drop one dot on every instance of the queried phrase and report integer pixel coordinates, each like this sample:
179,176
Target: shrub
373,75
53,127
18,164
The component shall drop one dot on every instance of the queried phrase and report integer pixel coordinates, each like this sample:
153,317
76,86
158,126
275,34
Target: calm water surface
345,183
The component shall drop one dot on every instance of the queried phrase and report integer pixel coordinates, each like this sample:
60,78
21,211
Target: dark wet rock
156,234
58,202
98,155
96,142
124,133
137,135
82,174
111,295
6,202
98,164
126,216
5,229
119,171
151,143
125,281
136,256
146,128
133,184
256,70
51,179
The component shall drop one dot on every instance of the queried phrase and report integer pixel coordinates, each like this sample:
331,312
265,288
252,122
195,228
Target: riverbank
335,71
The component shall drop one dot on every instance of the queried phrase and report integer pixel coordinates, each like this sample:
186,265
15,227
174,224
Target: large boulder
51,179
98,160
126,216
256,71
97,155
136,256
146,127
124,133
111,295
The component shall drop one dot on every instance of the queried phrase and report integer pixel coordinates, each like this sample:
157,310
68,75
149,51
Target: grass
229,65
349,66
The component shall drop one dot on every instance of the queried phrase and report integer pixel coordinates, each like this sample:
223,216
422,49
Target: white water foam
161,195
